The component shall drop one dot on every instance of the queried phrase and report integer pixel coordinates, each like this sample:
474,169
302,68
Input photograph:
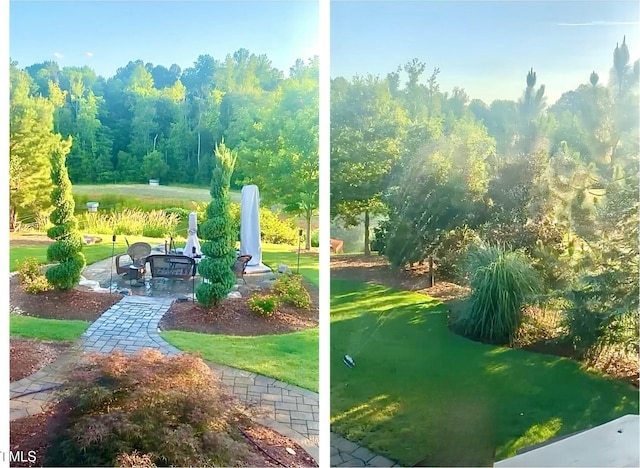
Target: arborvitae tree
219,248
67,250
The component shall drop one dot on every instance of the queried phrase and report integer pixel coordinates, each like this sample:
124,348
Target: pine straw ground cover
150,410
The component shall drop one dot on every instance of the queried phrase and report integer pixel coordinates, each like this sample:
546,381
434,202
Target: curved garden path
131,325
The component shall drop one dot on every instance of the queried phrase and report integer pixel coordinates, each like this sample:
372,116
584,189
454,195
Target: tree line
558,181
152,122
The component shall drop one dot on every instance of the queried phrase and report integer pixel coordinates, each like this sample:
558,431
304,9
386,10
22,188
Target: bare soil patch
376,269
29,356
275,445
29,239
74,304
233,317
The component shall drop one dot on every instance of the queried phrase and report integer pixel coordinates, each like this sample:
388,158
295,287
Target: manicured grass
420,393
274,255
154,196
46,329
291,358
93,252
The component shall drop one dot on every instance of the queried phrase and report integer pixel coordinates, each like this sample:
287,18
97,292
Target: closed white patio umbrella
192,238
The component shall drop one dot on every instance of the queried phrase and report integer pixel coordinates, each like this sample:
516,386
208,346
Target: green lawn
292,358
46,329
420,393
161,195
274,255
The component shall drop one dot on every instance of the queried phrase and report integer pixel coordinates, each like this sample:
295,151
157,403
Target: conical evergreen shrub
67,250
219,235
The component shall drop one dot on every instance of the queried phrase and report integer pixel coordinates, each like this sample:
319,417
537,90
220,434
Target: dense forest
558,182
153,122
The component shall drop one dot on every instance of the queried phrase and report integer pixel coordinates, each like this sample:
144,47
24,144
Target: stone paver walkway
130,325
30,395
290,410
347,453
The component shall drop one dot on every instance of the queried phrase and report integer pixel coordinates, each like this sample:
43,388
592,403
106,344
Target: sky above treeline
485,47
106,35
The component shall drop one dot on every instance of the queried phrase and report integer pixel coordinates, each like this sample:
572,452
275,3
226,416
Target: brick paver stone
347,453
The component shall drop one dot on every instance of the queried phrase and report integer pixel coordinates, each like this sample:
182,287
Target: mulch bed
29,437
29,356
74,304
376,269
32,435
233,317
276,445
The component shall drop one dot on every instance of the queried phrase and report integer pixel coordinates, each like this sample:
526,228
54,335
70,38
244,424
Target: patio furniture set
169,265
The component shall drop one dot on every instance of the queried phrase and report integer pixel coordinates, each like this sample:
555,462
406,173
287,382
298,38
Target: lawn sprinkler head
348,361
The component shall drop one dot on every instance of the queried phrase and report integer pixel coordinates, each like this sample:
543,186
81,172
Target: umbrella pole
113,259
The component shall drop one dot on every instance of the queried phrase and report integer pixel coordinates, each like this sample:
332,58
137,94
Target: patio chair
137,254
240,266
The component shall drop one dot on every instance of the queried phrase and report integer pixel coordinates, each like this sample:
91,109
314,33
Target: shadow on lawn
420,394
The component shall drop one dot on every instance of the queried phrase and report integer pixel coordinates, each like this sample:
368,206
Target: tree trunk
432,277
199,137
198,157
308,241
13,218
367,247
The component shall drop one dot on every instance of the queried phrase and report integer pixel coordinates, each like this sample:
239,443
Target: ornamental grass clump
502,283
219,248
67,248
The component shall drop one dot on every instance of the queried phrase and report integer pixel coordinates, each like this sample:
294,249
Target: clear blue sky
106,35
481,46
